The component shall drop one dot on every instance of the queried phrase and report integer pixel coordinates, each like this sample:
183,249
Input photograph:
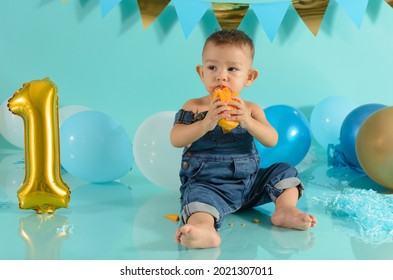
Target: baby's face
226,66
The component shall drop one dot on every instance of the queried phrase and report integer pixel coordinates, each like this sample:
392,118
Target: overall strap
188,117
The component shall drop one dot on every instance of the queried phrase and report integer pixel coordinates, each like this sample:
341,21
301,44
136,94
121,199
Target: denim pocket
190,167
244,168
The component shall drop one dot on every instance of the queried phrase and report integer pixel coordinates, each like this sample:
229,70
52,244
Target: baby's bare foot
291,217
192,236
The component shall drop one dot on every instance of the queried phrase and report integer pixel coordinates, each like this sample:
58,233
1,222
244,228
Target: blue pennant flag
190,13
107,6
270,15
355,9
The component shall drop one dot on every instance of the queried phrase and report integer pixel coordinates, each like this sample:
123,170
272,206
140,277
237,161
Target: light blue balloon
327,117
294,137
94,147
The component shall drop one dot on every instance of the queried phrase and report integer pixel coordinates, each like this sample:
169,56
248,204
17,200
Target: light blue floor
125,220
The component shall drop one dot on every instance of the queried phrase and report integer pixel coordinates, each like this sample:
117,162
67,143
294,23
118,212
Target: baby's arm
261,129
183,135
252,117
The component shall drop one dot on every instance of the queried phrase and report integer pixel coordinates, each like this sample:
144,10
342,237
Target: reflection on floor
125,220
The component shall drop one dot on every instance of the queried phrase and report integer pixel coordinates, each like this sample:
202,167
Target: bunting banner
311,12
107,6
354,9
229,15
150,10
269,13
190,13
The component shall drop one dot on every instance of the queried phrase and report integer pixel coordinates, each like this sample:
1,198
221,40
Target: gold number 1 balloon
43,189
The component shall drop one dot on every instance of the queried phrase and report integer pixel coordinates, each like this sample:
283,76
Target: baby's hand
217,111
242,113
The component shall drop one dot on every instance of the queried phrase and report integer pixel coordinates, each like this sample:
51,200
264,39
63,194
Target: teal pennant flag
355,9
107,6
190,13
270,15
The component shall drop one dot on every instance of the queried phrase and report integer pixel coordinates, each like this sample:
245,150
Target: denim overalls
220,173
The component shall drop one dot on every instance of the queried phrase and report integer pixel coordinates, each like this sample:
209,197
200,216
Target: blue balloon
94,147
350,128
327,117
294,136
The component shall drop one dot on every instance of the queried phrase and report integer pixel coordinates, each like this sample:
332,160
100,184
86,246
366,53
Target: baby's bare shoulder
195,104
252,105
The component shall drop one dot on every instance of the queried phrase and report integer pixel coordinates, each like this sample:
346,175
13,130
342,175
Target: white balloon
11,126
67,111
154,154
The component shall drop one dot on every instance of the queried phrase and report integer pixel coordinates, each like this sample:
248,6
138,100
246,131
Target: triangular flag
390,2
354,9
229,15
270,15
190,13
107,6
311,12
150,10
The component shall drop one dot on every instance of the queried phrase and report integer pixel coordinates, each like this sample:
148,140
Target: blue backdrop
112,64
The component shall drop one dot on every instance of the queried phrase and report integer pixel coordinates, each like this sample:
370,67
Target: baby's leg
288,216
198,232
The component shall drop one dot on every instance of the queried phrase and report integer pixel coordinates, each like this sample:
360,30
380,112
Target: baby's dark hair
233,37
